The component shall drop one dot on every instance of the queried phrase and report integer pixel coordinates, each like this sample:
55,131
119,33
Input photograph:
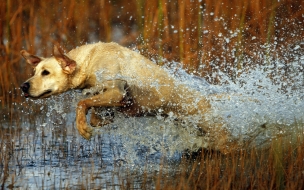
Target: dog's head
51,74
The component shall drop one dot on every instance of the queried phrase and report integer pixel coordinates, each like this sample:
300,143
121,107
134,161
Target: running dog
118,77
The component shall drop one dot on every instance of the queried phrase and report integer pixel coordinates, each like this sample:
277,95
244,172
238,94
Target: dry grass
200,34
278,167
193,32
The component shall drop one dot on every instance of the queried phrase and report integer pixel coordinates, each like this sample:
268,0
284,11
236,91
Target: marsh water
49,153
53,156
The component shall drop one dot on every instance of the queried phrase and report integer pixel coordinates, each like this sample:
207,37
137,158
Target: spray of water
257,105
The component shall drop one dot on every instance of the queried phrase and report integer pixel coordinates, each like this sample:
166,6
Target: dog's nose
25,87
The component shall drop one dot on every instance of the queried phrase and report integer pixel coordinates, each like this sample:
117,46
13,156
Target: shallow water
47,151
48,156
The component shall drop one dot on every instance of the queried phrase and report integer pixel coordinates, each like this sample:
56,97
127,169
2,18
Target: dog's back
150,85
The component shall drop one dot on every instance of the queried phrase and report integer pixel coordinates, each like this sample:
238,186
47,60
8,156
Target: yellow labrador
118,77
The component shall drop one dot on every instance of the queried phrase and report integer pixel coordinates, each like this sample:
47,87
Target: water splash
256,105
262,102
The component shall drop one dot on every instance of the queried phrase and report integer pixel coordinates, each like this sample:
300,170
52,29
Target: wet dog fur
115,76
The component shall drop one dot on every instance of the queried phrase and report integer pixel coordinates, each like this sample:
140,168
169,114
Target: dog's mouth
43,95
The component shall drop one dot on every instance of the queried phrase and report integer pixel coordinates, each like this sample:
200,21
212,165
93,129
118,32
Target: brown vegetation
196,33
278,167
201,34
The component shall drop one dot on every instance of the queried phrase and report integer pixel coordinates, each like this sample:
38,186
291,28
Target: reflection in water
51,155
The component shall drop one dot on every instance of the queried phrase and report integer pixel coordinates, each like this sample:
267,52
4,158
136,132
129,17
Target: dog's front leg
111,97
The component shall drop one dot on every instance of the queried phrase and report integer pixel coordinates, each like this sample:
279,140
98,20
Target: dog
117,77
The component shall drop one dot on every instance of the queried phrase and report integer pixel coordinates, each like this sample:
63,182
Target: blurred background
203,35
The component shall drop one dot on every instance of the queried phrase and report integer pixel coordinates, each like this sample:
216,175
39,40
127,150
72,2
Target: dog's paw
85,131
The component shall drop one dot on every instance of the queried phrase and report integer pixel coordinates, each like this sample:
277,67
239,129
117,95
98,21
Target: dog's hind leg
113,96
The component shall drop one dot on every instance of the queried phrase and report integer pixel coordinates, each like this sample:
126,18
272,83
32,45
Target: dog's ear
68,65
33,60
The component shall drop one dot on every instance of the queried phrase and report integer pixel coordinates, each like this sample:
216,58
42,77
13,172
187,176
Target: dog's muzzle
25,88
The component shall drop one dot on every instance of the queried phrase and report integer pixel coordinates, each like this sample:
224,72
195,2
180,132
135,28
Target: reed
193,32
278,166
204,35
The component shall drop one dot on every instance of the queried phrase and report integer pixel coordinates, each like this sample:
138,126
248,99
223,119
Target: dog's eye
45,72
